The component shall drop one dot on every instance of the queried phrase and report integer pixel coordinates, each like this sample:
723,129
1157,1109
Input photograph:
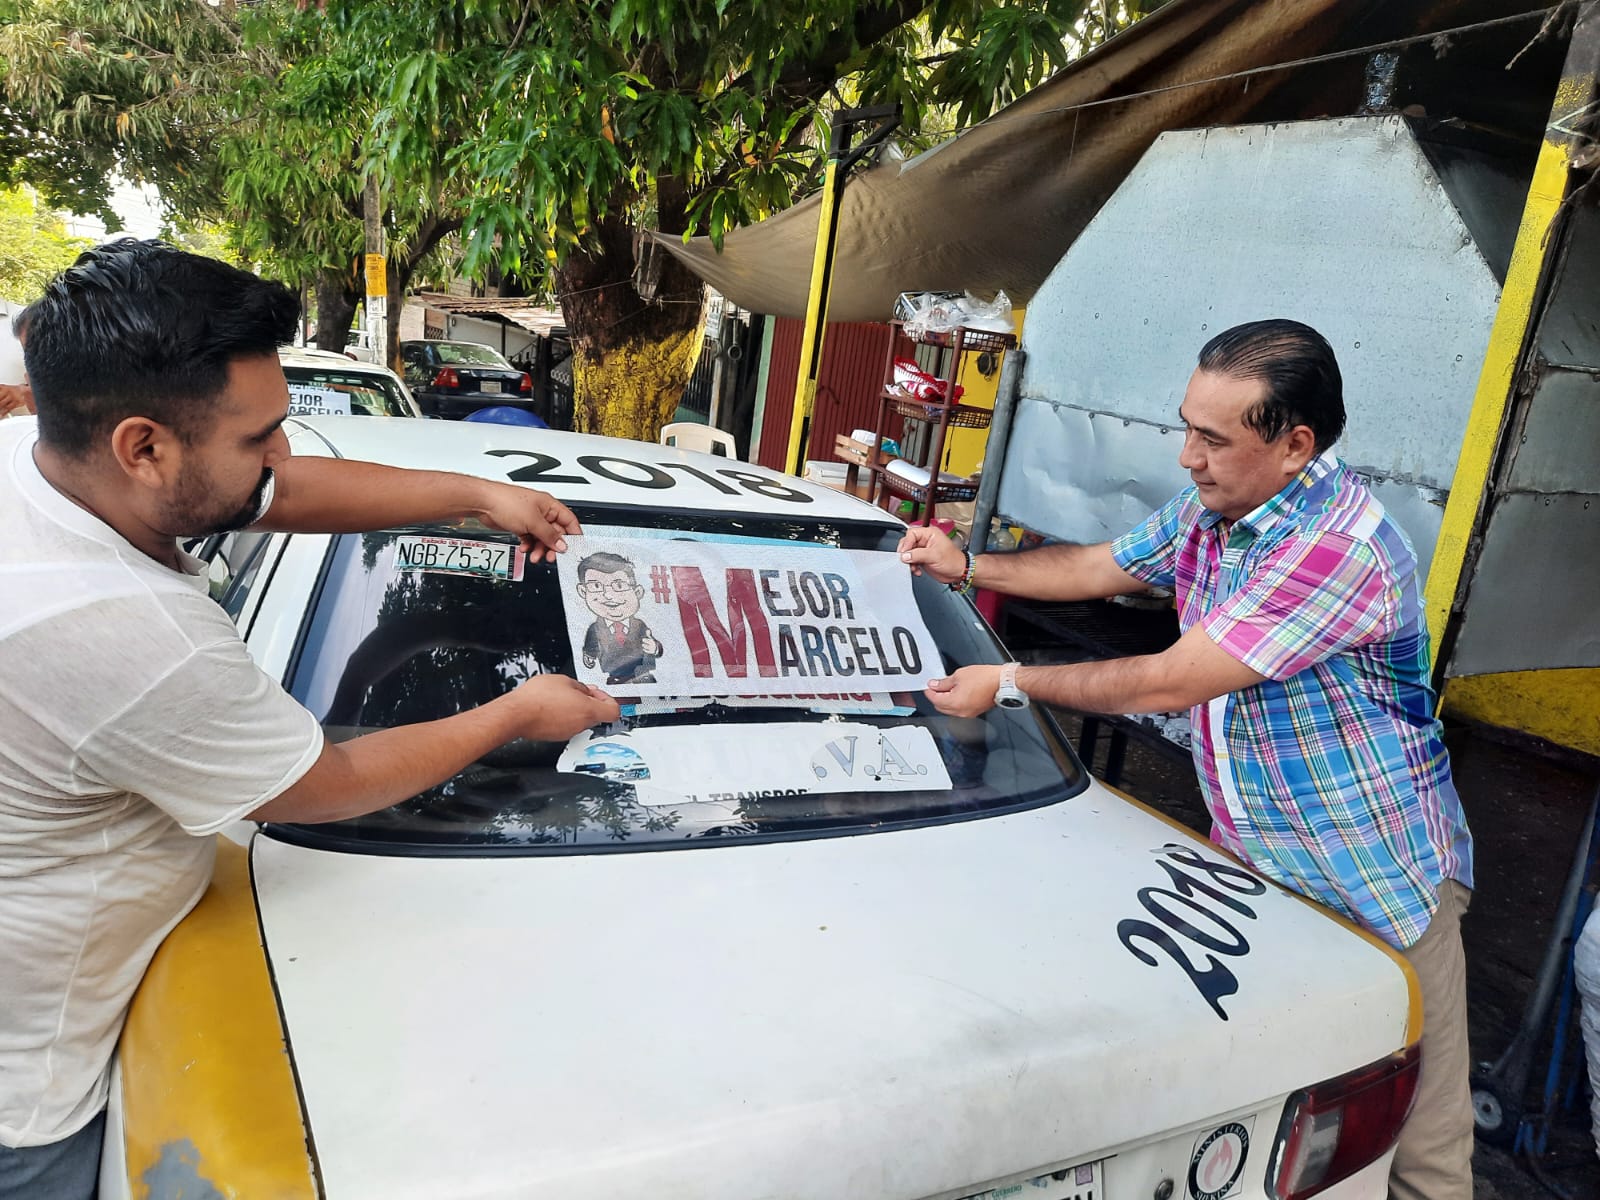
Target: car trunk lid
902,1014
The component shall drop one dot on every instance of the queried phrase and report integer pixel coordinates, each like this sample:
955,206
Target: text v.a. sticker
722,763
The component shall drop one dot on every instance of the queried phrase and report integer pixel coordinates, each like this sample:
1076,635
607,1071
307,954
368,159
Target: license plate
491,385
459,556
1083,1182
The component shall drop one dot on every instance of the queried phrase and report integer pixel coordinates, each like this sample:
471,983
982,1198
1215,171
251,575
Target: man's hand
15,397
537,518
557,707
926,549
967,693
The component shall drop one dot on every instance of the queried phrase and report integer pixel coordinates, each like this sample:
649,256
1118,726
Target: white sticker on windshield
317,402
722,763
861,703
459,556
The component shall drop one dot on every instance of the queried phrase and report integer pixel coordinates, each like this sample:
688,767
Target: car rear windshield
317,391
386,646
468,354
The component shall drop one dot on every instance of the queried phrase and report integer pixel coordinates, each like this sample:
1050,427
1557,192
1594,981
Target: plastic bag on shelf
940,312
918,384
919,476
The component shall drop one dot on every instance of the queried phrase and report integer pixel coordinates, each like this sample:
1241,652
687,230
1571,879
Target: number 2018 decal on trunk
542,471
1197,907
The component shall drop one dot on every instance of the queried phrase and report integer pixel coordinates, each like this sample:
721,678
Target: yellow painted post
1536,241
840,160
805,388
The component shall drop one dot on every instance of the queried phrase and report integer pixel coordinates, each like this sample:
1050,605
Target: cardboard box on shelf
847,447
832,474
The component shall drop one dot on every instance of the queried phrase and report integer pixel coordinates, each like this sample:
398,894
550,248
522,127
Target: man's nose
1189,457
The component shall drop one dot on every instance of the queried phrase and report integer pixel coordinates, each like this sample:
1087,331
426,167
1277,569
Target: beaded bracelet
964,584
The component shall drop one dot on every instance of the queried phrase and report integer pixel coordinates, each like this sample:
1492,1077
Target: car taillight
525,387
447,378
1332,1130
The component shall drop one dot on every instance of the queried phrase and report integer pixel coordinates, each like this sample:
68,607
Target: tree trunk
336,308
631,359
399,280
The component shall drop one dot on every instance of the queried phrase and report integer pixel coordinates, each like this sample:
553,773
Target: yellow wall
964,448
1560,706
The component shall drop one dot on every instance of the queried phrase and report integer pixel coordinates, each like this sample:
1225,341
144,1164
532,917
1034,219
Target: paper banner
317,402
655,617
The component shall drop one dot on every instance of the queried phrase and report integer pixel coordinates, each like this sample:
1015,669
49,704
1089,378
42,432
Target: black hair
141,328
607,563
1304,386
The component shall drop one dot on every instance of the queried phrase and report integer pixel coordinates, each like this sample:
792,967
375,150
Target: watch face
1010,698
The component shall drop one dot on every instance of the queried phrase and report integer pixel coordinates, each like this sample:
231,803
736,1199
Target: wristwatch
1008,694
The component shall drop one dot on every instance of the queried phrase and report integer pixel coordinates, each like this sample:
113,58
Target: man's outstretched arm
382,768
1061,572
330,495
1191,671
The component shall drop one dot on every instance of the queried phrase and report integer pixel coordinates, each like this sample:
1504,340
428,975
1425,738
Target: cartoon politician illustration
620,643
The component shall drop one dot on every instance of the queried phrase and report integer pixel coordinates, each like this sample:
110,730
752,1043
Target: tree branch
811,78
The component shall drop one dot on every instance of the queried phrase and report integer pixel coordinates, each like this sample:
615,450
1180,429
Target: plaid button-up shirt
1331,777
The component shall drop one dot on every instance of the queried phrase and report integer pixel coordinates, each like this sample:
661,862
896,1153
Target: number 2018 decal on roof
1201,889
542,470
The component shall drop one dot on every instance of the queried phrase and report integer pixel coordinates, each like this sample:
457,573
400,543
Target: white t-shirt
132,724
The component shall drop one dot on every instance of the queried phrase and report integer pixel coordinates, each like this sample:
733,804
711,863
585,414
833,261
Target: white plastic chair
688,435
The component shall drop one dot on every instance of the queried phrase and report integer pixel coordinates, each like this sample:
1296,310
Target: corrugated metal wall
847,386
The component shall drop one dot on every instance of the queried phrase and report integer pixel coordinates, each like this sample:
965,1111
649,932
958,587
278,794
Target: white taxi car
526,983
322,383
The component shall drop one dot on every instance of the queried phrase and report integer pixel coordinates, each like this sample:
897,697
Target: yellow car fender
208,1093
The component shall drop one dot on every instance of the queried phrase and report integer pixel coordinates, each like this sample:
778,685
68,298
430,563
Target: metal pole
840,159
377,271
1007,392
1538,243
715,409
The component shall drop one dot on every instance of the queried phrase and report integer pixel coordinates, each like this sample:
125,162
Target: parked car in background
322,383
673,966
358,345
452,379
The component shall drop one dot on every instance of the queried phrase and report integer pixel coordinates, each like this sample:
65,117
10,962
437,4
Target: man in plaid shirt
1304,661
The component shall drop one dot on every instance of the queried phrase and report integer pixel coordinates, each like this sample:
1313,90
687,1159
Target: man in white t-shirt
134,723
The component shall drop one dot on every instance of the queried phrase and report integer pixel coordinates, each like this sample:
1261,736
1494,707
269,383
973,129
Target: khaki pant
1434,1158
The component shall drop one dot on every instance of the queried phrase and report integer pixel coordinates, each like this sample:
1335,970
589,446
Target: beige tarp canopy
996,207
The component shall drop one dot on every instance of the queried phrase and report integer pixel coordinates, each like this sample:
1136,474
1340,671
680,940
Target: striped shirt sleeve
1312,598
1149,551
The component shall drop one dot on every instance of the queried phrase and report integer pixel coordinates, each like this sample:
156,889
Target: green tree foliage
143,88
207,103
34,244
548,132
575,123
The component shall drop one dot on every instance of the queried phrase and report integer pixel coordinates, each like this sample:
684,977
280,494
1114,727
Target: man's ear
1299,448
148,452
